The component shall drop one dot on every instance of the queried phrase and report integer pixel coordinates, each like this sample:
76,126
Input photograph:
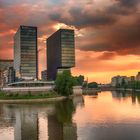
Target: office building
25,53
60,52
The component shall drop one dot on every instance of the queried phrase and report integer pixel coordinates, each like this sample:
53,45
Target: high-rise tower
60,52
25,53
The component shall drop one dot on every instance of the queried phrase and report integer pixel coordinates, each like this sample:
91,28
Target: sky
107,32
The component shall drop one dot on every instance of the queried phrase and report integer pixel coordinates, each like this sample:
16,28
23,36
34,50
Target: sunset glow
107,32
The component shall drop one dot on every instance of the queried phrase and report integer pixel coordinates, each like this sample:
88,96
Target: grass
41,95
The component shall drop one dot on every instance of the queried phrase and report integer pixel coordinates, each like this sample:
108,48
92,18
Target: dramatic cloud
122,38
81,18
105,31
107,56
124,7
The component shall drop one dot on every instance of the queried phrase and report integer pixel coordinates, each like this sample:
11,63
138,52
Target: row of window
67,43
28,42
28,62
68,59
28,39
29,33
28,51
68,49
67,37
67,33
28,47
67,46
25,35
26,57
68,56
68,64
68,52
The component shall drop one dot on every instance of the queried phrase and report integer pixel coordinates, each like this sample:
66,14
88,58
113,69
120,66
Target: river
107,116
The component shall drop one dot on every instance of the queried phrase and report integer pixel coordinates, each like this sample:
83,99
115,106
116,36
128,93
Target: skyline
107,32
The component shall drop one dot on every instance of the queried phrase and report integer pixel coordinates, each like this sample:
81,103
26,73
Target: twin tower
60,53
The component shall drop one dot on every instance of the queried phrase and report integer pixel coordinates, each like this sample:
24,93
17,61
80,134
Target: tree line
65,82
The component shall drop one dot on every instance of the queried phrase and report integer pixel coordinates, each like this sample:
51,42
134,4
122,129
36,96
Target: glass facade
67,49
60,52
25,53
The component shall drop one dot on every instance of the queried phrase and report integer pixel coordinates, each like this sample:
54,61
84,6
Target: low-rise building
11,75
8,76
118,81
1,73
4,65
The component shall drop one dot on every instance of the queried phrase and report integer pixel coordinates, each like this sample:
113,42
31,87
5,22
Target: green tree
93,85
64,111
78,80
64,83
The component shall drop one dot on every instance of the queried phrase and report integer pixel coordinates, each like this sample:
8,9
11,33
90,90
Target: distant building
1,73
131,78
60,52
8,76
44,75
138,76
25,53
11,75
4,65
119,80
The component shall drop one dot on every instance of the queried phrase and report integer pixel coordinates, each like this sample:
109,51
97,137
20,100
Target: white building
119,80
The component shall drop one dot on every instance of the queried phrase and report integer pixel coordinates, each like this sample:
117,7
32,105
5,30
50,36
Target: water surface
108,116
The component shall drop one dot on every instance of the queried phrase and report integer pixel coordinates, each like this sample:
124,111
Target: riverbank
127,89
28,95
15,98
21,101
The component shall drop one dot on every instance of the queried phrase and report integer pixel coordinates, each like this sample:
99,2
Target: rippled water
108,116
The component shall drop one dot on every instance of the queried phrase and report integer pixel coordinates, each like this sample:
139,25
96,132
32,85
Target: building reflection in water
60,124
29,121
119,95
26,125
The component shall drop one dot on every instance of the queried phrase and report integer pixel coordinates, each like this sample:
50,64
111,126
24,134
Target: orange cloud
107,33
